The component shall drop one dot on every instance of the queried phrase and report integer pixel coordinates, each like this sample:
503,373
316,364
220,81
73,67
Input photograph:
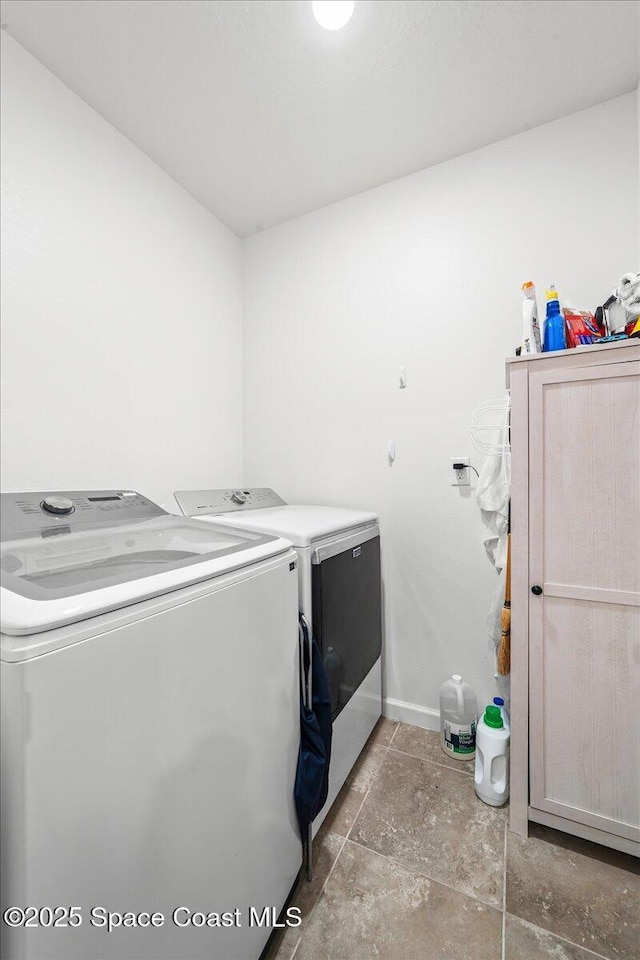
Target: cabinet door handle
536,590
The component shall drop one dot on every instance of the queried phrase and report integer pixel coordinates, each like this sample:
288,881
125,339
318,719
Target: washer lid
300,524
51,576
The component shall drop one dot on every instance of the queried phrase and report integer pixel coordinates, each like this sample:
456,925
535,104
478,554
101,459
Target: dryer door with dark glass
347,611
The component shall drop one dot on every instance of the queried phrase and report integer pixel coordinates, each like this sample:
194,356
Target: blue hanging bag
312,774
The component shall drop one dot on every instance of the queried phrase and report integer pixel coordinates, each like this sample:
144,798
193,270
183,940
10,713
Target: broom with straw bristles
504,650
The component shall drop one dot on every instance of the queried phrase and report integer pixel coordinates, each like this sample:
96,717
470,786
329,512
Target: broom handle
507,588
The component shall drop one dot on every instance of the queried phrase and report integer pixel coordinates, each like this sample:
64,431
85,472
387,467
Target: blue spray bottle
554,333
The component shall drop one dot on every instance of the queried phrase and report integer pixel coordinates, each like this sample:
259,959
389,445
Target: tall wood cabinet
575,636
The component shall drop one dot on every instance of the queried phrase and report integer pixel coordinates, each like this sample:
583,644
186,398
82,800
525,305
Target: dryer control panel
202,503
30,514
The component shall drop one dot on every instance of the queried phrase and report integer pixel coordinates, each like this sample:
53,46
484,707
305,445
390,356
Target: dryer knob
58,505
238,496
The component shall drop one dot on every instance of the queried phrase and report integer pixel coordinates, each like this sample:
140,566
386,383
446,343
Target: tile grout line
393,735
295,949
558,936
414,756
504,893
333,866
375,777
319,897
344,841
427,876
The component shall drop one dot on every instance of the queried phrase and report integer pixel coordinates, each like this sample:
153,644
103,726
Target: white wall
425,272
122,342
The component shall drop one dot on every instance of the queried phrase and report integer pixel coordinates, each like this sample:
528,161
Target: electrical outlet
460,476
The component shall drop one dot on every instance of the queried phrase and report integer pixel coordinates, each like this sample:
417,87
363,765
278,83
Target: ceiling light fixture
333,14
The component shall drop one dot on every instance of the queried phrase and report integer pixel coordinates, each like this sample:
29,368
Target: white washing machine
340,594
150,729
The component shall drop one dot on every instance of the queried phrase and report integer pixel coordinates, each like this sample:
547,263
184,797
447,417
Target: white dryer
340,595
150,728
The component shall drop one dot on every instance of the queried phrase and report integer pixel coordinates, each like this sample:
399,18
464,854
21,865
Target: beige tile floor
410,865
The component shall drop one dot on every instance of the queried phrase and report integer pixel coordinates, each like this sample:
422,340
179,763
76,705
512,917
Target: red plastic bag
581,328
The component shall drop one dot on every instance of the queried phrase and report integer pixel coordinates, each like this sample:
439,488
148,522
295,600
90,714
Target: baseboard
413,713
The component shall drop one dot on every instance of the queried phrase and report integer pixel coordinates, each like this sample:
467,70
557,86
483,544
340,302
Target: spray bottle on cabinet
531,341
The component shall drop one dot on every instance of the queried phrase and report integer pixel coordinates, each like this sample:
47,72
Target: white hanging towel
494,490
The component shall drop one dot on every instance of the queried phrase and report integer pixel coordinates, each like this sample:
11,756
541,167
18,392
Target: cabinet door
584,462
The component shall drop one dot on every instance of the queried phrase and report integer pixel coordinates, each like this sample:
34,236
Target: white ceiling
262,115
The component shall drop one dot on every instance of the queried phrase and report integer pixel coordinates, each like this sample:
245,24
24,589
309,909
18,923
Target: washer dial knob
60,506
238,496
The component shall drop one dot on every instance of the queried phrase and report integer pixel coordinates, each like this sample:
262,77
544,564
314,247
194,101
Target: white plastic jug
458,717
492,758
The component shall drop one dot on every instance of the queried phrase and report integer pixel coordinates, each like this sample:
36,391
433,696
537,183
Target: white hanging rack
490,426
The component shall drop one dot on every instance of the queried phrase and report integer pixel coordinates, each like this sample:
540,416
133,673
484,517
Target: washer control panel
29,514
202,503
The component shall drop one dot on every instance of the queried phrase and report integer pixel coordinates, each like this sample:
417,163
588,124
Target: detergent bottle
554,331
458,717
492,758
